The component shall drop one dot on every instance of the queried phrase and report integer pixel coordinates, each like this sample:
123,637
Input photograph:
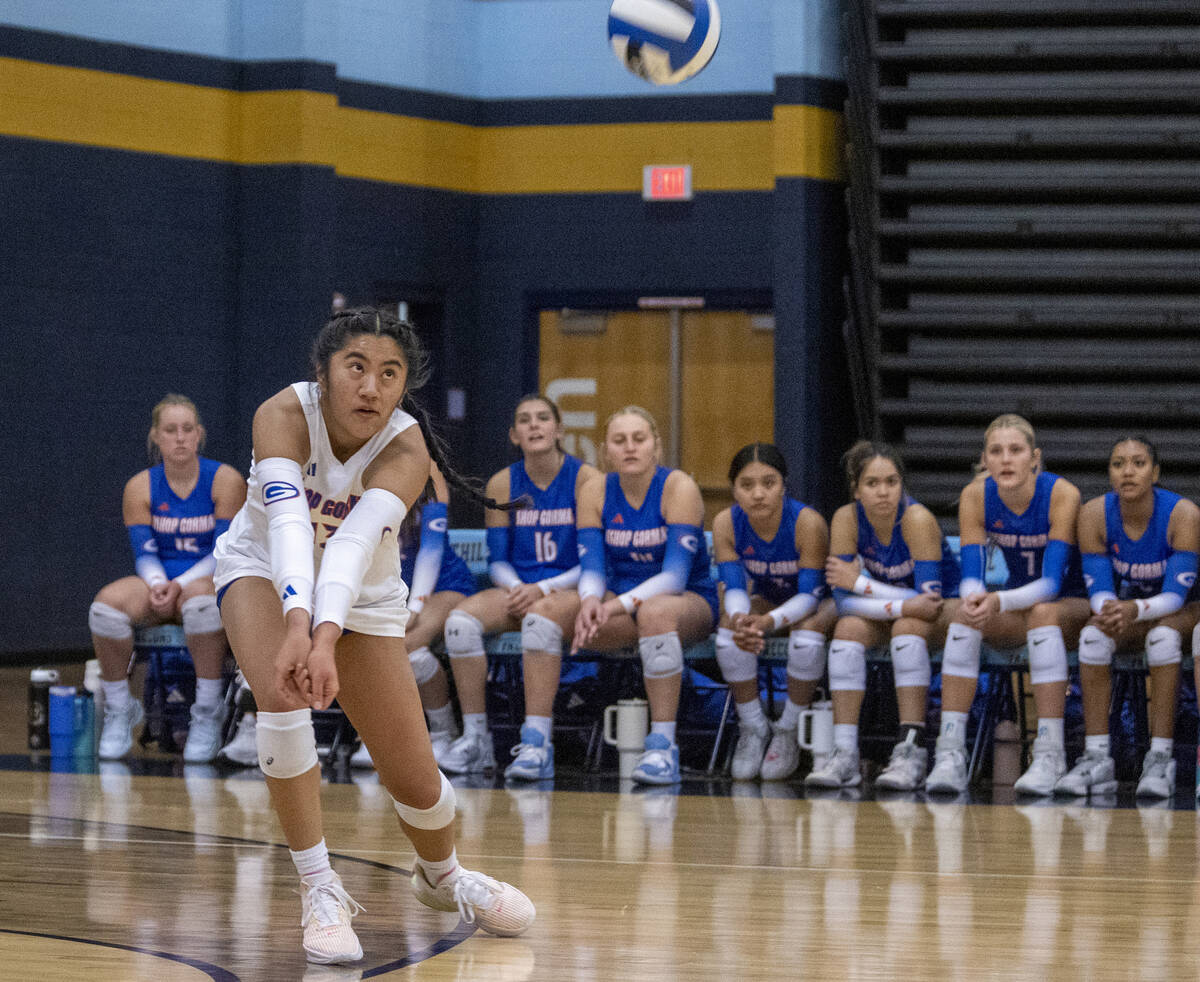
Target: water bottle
91,683
83,743
40,680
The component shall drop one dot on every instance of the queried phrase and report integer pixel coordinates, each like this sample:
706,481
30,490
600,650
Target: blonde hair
1014,422
632,410
170,399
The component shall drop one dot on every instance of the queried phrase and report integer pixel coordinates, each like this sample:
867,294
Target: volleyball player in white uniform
314,608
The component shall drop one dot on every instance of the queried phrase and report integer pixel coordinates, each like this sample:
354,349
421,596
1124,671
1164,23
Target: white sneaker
1048,766
116,736
1094,773
469,754
906,767
783,755
441,740
1158,776
499,908
748,754
949,774
326,911
205,732
361,757
840,771
243,748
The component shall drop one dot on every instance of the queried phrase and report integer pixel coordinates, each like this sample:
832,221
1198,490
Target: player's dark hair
855,460
554,411
355,321
763,453
1151,449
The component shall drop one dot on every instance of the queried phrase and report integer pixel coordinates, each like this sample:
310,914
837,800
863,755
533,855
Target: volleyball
664,41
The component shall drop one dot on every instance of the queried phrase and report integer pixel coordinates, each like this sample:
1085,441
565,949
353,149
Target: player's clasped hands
979,608
749,631
593,615
841,573
1115,616
521,597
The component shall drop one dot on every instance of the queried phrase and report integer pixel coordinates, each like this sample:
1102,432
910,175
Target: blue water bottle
62,720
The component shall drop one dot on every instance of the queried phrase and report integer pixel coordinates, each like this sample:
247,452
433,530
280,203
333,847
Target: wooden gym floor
149,870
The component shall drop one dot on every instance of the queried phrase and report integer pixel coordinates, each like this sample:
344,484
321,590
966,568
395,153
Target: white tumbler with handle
625,727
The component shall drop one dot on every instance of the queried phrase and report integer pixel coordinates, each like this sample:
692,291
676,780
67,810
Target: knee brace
108,622
438,816
806,656
424,664
662,655
910,660
287,746
201,615
464,635
736,665
539,633
847,666
960,657
1096,647
1164,646
1047,655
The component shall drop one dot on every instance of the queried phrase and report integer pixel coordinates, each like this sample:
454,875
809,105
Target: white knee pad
201,615
910,660
736,665
1096,647
464,635
438,816
960,657
1164,646
1047,655
108,622
847,666
424,664
287,746
806,656
662,655
539,633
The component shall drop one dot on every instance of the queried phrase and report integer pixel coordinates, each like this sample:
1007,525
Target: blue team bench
1001,668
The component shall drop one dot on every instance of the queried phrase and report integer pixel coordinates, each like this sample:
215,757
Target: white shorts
384,616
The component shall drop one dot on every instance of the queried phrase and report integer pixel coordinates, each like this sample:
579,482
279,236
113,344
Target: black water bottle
40,680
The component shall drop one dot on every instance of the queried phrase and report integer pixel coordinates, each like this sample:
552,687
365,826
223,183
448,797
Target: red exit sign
663,183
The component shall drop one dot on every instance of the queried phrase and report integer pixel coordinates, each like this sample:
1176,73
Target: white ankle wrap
438,816
910,660
960,657
539,633
201,615
1047,655
847,666
662,655
1096,647
464,635
806,656
424,664
1164,646
108,622
736,664
287,746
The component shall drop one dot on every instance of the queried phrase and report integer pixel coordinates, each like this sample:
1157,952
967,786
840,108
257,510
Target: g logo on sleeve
278,491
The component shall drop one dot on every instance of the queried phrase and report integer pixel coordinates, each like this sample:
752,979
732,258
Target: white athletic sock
954,725
116,694
790,716
542,724
441,719
666,729
313,864
475,723
1052,728
435,872
845,736
1164,744
750,714
208,691
1097,743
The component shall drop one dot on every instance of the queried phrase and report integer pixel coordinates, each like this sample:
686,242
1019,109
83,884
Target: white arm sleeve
736,601
202,567
563,581
1024,597
503,575
795,609
866,586
1160,605
872,610
289,530
349,551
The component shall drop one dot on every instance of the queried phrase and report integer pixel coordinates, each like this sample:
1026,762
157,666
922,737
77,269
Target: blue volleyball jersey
1139,565
893,563
635,540
541,540
453,574
1022,538
771,567
183,527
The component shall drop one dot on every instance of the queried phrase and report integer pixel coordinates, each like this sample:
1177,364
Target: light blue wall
489,49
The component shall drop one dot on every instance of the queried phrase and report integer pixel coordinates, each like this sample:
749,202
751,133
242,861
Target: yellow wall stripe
102,109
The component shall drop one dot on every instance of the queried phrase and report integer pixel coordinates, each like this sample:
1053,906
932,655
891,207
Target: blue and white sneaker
535,758
659,763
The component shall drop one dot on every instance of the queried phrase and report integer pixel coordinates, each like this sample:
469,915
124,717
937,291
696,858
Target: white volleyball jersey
332,488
